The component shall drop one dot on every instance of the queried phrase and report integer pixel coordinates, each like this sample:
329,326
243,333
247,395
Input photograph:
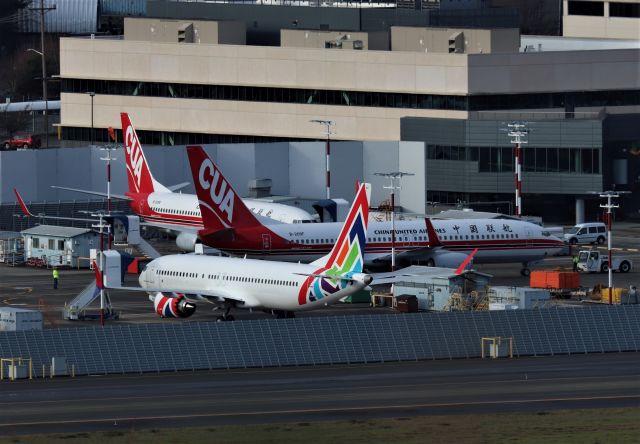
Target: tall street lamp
44,94
392,186
328,124
92,95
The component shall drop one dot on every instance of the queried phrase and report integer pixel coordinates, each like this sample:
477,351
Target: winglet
220,205
434,240
464,263
99,279
23,206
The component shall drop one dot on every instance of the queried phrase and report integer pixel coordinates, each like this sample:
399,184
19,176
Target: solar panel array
172,346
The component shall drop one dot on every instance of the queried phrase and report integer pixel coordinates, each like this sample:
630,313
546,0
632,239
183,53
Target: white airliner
160,206
232,228
176,283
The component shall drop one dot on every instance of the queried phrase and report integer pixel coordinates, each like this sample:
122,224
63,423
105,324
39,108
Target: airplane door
529,235
266,242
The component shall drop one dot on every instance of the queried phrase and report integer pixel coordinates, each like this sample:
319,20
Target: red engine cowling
173,307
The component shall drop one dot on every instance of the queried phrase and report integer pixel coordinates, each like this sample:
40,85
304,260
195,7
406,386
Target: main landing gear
226,316
281,314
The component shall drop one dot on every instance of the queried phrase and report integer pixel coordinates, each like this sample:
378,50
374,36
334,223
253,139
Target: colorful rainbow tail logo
347,256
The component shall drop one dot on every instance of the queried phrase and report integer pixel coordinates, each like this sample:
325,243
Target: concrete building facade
619,19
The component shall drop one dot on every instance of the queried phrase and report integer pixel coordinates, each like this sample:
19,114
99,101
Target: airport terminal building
432,85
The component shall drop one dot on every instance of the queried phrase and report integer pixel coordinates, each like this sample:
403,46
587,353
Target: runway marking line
527,380
322,410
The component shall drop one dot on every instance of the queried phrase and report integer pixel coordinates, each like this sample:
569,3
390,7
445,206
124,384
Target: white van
592,232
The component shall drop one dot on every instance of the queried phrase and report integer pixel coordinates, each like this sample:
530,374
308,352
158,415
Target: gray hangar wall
295,168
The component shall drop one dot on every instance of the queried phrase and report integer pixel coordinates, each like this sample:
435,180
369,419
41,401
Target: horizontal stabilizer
93,193
178,186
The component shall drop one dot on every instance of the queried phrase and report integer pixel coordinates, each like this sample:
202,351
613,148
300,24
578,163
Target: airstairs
126,233
76,309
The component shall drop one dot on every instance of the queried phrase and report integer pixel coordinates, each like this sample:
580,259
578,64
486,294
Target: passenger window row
174,211
253,280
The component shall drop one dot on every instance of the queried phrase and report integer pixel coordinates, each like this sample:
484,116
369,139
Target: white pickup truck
593,261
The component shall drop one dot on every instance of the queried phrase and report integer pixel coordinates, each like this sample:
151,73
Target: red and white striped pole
328,124
517,131
518,161
328,168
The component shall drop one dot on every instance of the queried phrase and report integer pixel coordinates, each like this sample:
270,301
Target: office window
576,160
586,8
61,245
506,159
52,244
35,242
484,160
541,160
617,9
563,160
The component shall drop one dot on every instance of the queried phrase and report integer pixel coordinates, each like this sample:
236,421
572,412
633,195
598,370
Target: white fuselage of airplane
253,283
497,241
183,211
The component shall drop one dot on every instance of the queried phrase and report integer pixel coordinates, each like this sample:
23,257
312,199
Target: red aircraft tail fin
220,205
138,173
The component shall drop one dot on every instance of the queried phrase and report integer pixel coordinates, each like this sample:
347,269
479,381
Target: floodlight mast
328,124
610,195
393,176
518,131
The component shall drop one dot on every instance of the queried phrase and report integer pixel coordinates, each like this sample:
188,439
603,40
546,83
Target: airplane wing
395,276
27,212
94,193
178,186
216,295
171,227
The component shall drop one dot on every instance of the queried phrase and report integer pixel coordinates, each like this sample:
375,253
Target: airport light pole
101,225
92,95
610,195
44,93
518,131
392,186
328,124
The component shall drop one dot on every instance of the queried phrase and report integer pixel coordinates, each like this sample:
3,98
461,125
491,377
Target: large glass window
495,159
353,98
586,8
563,160
541,160
472,153
552,160
507,159
484,162
528,159
618,9
576,160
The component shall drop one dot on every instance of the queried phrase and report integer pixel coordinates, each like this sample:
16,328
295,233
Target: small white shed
59,246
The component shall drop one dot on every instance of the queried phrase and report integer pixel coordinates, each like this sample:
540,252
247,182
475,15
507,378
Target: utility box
407,303
19,319
18,371
59,366
521,297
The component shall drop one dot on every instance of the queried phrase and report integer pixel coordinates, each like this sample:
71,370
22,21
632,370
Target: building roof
54,230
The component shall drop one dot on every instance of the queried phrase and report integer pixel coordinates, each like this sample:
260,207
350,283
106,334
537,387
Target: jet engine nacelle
187,241
446,259
173,307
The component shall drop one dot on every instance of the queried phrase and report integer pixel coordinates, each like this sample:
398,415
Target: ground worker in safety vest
56,276
575,262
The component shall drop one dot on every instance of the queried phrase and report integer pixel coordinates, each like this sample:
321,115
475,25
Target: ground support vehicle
594,261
